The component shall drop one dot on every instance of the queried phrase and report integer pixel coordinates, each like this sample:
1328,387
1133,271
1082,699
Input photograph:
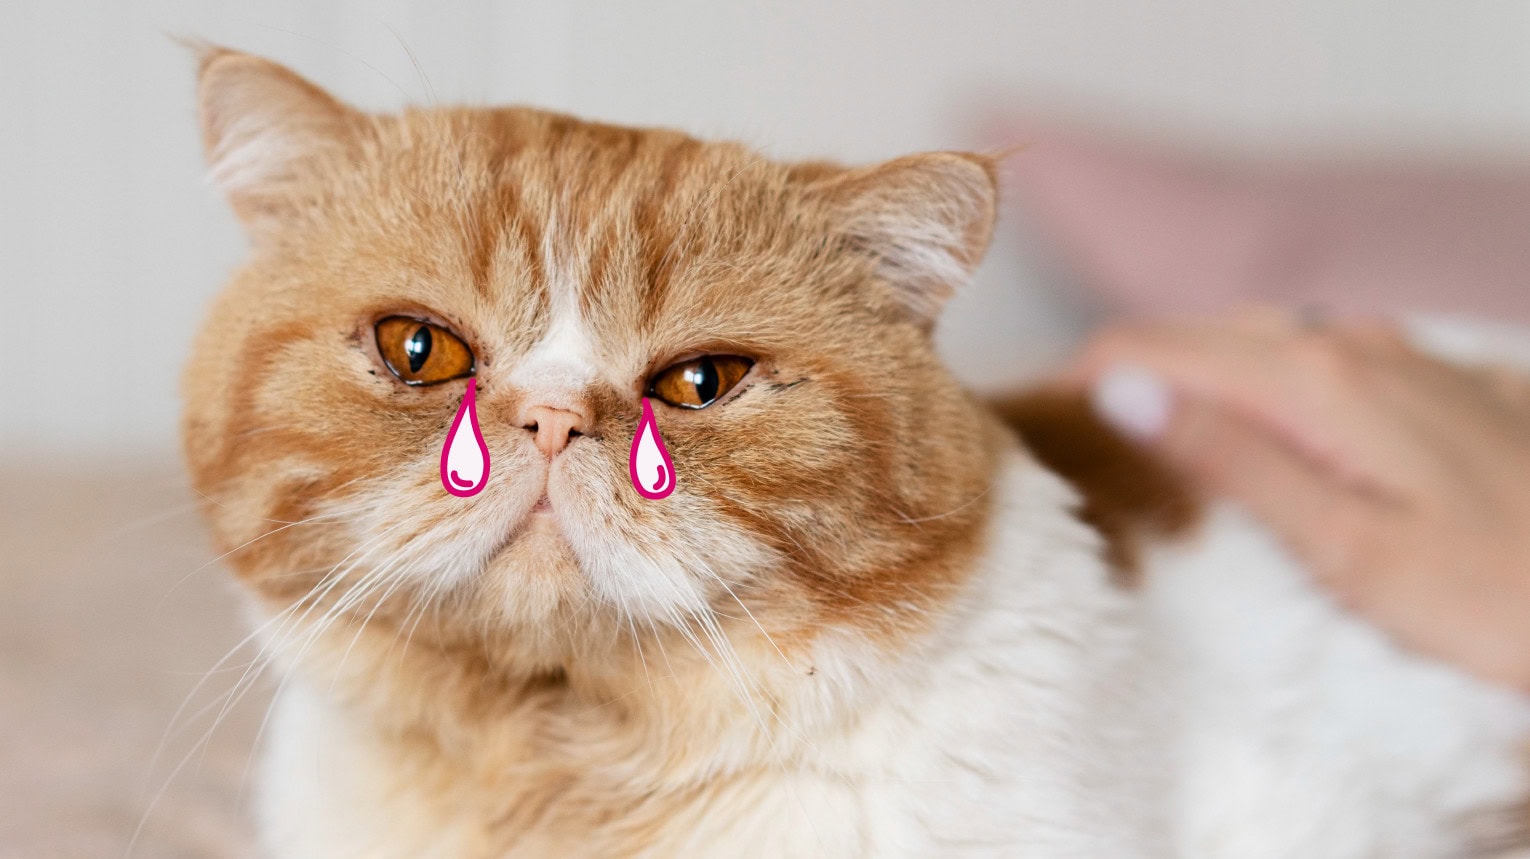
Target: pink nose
554,428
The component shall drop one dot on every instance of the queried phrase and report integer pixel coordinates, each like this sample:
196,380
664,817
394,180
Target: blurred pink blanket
1159,231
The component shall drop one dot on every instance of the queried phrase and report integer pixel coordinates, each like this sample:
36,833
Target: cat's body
941,751
1231,711
1301,731
868,622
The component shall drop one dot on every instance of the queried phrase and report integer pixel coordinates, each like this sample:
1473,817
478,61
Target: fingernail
1133,400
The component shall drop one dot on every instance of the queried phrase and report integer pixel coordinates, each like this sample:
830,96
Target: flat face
823,460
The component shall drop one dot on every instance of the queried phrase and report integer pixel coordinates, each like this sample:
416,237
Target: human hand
1402,482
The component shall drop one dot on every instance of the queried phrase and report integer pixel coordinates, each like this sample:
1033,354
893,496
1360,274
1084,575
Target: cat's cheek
407,521
658,560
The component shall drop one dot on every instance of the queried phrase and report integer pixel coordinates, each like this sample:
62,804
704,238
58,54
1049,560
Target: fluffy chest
331,789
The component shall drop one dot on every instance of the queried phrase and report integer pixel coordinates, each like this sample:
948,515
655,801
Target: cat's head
778,316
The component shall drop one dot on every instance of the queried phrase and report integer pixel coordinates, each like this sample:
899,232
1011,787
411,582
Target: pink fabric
1161,231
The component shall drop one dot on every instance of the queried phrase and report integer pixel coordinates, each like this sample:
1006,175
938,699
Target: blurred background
1364,155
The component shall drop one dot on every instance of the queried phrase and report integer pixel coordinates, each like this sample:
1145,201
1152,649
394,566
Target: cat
877,617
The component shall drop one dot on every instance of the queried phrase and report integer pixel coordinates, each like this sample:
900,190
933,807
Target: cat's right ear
267,133
925,220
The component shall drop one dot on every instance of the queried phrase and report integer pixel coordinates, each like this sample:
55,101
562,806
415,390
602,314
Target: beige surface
110,614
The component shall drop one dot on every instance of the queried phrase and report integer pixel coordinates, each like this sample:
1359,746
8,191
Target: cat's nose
554,428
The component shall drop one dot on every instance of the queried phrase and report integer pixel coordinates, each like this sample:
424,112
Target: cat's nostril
553,428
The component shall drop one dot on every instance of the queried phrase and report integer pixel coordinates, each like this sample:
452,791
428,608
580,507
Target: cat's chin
536,572
537,534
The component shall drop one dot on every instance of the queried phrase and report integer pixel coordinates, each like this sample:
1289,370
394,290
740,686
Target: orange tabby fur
518,698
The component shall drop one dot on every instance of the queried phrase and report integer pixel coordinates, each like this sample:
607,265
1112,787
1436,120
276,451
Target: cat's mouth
538,522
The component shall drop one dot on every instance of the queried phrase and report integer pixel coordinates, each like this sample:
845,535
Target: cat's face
833,471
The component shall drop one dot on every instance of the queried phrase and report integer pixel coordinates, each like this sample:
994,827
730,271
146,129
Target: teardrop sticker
465,457
652,472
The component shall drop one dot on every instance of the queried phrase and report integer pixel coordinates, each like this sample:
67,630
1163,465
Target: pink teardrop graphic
464,457
652,472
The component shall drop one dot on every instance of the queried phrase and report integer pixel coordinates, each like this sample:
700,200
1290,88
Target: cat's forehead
568,234
493,218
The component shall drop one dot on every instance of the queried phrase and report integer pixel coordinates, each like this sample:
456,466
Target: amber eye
420,353
697,383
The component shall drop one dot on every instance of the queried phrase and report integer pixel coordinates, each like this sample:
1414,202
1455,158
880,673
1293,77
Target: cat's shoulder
1128,495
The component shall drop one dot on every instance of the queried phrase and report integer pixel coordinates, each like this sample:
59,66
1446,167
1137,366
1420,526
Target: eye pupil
417,347
703,375
699,382
420,353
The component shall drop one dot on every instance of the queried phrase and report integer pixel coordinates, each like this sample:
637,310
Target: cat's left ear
925,219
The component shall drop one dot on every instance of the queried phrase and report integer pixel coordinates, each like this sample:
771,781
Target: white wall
110,245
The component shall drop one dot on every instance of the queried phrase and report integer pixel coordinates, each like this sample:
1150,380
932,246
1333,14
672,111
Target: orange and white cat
868,622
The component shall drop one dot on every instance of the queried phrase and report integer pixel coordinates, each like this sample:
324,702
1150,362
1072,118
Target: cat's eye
699,382
421,353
